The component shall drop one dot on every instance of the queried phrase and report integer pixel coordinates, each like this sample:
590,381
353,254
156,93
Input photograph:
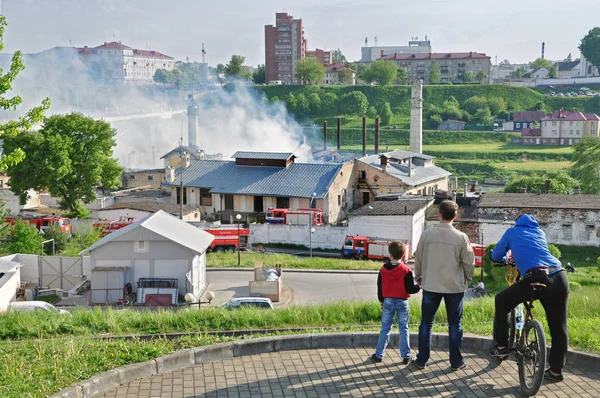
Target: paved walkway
349,373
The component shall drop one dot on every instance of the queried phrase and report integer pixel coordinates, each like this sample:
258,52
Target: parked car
35,306
239,302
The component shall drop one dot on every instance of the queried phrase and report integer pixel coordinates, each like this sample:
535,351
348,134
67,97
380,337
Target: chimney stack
325,135
339,134
384,163
410,166
364,136
376,135
192,114
416,117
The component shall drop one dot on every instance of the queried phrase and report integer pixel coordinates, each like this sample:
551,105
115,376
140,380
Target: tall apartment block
284,45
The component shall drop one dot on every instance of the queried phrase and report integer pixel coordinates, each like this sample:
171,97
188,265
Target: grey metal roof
399,207
539,201
166,225
298,180
400,154
180,149
420,174
263,155
152,206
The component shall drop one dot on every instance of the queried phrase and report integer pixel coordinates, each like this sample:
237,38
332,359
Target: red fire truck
363,247
226,238
43,222
108,226
294,217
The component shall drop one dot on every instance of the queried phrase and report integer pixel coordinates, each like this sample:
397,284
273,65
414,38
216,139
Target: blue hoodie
528,245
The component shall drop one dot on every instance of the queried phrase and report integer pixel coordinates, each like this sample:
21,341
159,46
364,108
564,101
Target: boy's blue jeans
391,307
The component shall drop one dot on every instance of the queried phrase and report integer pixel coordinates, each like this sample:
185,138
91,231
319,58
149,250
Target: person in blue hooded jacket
527,244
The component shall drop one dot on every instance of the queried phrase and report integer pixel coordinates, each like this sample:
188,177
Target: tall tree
70,157
354,103
309,71
553,72
329,103
386,114
540,62
469,77
590,47
586,164
338,57
345,76
435,75
23,123
401,76
381,71
235,67
481,76
259,75
60,237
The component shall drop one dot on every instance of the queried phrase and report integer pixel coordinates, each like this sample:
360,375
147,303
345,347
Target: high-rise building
284,45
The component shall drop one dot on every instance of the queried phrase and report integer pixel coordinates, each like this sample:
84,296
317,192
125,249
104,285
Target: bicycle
531,350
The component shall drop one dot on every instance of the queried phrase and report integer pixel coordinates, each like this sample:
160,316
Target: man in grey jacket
444,262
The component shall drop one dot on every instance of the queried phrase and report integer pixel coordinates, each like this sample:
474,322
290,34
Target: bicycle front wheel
532,357
512,328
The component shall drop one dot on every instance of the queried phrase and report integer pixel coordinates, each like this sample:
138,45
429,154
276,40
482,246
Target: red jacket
395,280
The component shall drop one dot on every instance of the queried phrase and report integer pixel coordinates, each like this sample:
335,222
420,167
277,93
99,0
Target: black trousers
554,299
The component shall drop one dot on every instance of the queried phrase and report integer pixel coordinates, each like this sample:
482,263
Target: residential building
452,65
568,128
372,53
572,220
568,69
540,73
284,45
531,136
452,125
587,69
124,64
523,120
332,75
256,181
397,172
324,57
159,247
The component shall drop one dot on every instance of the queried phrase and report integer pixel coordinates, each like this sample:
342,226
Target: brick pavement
348,372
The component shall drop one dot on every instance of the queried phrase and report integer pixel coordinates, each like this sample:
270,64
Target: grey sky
512,29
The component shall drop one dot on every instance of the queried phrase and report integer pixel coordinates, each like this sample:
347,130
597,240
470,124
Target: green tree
23,123
345,76
497,105
381,71
163,76
472,104
435,75
70,157
310,71
586,164
481,76
60,237
518,73
539,106
302,106
435,120
25,238
484,116
338,57
386,114
235,67
259,75
290,102
82,240
540,62
314,103
354,103
590,47
561,182
553,72
401,76
329,103
451,109
469,77
371,112
569,58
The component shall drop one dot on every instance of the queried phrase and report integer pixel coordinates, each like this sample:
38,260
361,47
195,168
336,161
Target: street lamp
310,222
312,231
238,218
189,298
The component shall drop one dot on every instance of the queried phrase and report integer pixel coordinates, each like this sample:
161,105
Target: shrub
555,251
372,112
598,263
574,286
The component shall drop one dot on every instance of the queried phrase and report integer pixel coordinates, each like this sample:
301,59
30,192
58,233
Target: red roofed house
531,136
127,65
332,75
568,128
452,65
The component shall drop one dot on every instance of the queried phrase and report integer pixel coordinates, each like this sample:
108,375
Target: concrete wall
8,287
382,227
326,237
12,204
340,198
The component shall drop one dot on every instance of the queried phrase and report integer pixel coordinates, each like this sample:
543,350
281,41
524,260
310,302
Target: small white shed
160,247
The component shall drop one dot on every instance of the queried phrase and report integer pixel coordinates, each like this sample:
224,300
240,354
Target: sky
508,29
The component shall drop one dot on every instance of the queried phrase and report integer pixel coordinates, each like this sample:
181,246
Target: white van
35,306
259,302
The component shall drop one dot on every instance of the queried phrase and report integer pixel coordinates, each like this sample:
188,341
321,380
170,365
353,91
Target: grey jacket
444,260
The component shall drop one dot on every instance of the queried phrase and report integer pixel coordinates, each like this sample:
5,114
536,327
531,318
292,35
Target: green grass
49,299
528,165
289,261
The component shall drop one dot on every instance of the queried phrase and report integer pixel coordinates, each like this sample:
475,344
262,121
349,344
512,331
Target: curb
300,270
182,359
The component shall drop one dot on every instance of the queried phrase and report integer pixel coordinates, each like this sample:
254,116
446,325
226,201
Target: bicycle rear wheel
532,357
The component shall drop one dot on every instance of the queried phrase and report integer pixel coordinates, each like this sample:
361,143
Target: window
205,197
150,178
283,203
518,125
178,189
131,177
141,246
362,175
339,200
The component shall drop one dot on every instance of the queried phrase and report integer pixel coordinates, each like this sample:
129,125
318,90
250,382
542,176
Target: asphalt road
304,287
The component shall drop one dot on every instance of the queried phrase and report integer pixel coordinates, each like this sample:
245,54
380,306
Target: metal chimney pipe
325,135
376,135
339,134
364,136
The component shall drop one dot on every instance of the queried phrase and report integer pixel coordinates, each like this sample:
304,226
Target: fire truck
43,222
226,238
108,226
363,247
294,217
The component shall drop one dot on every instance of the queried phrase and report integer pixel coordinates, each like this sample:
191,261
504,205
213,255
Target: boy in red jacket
394,285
